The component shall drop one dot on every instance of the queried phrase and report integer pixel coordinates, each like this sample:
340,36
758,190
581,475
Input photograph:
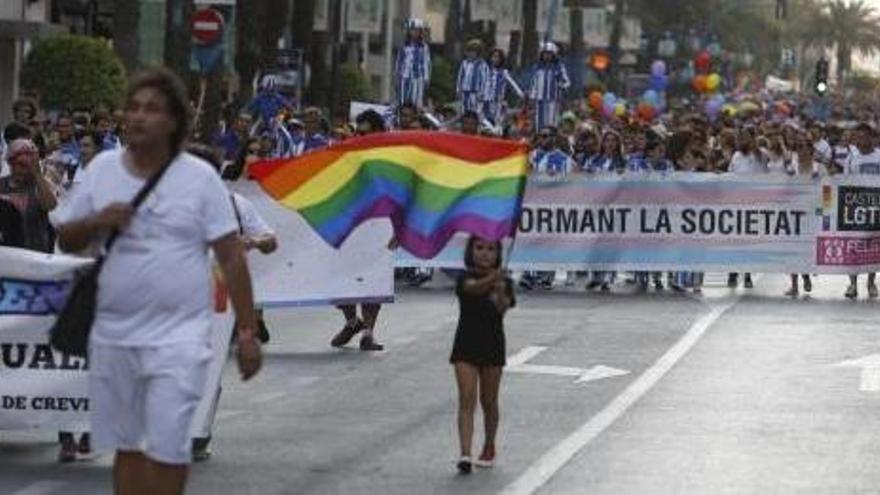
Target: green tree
442,88
126,32
354,85
852,27
72,71
863,83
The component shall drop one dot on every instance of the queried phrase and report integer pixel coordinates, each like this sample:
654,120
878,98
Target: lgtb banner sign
695,223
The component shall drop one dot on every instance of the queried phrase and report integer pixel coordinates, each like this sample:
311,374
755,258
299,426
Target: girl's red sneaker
487,458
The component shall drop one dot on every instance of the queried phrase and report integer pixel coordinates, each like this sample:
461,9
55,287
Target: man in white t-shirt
823,151
747,160
864,159
149,347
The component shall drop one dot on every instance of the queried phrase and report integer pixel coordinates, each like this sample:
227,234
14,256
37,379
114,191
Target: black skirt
479,337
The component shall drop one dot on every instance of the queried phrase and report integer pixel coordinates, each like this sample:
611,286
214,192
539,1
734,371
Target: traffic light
821,84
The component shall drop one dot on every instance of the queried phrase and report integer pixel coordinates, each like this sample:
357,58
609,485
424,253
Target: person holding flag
485,293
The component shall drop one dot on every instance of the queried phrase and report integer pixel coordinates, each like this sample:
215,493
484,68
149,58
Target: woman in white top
804,165
748,160
778,156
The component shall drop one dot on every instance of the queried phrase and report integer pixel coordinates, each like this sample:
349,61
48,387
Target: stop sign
207,26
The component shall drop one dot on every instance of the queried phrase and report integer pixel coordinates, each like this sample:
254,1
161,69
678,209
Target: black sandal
347,333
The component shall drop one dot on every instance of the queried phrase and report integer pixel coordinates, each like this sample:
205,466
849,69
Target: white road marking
540,472
40,488
600,372
268,397
518,363
524,355
544,369
870,365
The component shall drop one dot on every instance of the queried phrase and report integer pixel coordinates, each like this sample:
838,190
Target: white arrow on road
870,366
518,363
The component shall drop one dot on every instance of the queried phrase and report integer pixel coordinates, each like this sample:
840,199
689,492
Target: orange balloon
645,111
595,99
700,83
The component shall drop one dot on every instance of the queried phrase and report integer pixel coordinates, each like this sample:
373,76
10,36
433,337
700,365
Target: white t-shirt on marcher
742,164
778,164
819,169
863,163
252,224
156,286
822,151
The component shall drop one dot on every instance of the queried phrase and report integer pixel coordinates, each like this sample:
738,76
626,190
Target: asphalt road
728,392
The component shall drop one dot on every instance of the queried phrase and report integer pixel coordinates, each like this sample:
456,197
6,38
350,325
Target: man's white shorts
144,398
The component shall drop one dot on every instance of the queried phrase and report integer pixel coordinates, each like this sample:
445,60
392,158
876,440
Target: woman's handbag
70,333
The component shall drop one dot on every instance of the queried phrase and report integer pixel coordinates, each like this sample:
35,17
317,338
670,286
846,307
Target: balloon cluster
705,81
650,104
608,104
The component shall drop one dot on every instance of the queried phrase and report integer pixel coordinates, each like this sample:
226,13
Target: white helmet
269,82
549,46
414,23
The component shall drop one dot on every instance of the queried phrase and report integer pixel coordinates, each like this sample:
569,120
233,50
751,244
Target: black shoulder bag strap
237,214
70,333
136,202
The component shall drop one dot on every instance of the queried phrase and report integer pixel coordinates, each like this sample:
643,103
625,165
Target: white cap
549,46
414,23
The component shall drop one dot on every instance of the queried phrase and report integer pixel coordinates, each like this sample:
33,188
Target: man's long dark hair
172,88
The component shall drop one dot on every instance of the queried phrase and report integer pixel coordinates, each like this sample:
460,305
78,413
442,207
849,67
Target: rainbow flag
431,185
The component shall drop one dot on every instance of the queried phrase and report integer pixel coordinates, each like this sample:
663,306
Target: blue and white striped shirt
497,83
555,163
414,61
602,163
548,82
472,75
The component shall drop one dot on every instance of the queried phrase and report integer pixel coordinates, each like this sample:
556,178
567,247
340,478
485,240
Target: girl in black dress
484,293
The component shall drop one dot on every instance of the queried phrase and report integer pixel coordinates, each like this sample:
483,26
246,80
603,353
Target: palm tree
126,32
806,30
530,32
453,30
614,40
260,24
178,42
852,27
